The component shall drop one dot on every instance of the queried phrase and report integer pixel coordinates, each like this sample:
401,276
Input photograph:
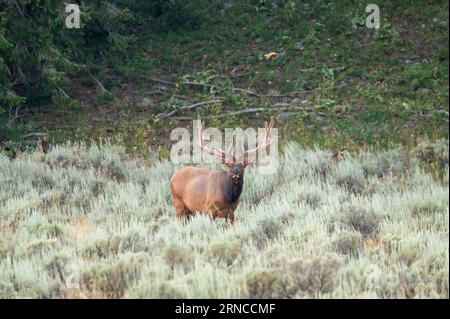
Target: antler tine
265,142
267,131
230,148
269,126
217,152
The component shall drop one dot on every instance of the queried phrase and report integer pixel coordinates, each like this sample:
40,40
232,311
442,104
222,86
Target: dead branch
244,91
226,76
18,8
252,110
34,135
153,92
431,113
291,94
191,107
160,81
99,83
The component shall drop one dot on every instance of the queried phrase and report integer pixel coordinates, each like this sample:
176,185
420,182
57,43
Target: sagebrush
90,222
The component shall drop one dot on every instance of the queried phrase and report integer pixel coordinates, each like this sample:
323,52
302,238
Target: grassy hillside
330,80
372,225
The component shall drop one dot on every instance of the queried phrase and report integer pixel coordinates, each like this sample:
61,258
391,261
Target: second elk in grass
215,192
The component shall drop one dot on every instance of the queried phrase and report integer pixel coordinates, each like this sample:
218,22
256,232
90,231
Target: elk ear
227,165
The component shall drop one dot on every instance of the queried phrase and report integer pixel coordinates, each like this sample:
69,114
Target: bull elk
215,192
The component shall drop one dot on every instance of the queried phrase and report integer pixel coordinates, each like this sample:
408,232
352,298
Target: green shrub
160,290
262,284
110,280
177,255
266,229
433,152
348,243
37,52
425,207
385,163
408,255
302,278
226,252
350,176
360,219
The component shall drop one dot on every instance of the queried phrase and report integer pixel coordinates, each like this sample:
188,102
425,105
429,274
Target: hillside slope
329,79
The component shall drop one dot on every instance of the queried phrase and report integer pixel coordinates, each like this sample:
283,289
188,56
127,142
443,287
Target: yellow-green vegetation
373,225
346,84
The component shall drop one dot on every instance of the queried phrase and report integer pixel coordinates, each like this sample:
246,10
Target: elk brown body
215,192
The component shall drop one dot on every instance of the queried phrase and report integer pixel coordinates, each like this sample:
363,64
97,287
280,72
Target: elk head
235,166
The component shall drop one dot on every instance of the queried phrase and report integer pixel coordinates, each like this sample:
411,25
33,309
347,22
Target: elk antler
220,153
249,156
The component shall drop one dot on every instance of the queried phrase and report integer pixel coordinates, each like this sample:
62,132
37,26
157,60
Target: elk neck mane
233,190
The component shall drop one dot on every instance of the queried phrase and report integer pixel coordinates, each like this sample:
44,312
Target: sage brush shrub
360,219
306,278
348,243
262,284
349,175
436,152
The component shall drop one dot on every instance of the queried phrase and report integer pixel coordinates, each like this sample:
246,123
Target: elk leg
180,208
228,215
231,217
